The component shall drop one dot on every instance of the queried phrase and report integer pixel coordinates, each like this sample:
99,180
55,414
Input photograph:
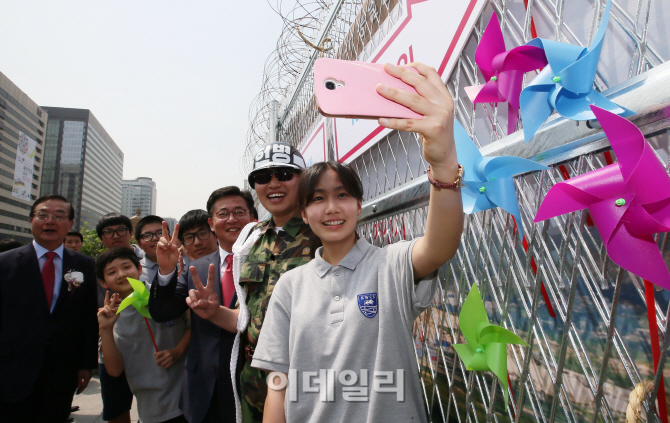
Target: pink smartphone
349,89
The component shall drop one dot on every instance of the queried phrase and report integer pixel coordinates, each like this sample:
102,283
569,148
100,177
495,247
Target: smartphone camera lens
330,85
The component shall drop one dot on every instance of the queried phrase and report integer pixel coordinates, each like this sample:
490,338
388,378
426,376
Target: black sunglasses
283,174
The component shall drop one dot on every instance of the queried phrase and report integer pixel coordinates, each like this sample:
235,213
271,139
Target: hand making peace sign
203,299
167,250
107,315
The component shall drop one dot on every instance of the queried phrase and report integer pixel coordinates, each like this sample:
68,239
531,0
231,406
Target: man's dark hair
230,191
45,198
75,233
113,219
112,254
9,244
145,221
193,219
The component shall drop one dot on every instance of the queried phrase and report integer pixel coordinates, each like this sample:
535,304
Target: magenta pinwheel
503,70
629,201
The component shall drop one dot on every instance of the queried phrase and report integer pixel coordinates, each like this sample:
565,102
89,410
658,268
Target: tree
92,246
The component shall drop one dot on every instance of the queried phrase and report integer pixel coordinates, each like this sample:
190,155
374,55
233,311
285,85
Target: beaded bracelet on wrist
441,185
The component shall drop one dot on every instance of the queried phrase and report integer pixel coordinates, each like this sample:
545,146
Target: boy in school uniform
128,346
147,233
115,231
195,235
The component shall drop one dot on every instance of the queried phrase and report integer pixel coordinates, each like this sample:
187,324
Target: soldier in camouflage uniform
270,257
273,253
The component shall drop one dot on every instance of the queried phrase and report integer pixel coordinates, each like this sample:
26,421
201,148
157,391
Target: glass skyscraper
82,163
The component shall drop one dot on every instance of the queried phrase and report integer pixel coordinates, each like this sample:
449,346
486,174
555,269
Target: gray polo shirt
343,334
157,390
101,293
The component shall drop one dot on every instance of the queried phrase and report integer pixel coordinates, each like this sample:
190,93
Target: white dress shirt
223,264
58,267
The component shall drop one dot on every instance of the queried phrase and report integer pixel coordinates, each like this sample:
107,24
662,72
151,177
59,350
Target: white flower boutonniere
73,279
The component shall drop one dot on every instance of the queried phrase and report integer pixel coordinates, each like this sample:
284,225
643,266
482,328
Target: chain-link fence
584,318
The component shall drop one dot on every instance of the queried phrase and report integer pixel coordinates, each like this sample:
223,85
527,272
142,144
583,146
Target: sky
170,81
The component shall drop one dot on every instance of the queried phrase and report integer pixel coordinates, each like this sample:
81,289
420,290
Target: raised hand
444,223
203,300
107,315
167,250
435,103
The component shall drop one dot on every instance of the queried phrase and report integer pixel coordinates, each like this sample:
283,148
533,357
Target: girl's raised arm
444,224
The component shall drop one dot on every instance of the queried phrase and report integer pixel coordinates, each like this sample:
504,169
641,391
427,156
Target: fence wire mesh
560,268
583,317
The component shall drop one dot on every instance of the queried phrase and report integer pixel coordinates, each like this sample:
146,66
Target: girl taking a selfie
337,334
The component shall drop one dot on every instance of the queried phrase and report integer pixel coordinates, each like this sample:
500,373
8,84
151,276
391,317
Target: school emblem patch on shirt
169,323
367,304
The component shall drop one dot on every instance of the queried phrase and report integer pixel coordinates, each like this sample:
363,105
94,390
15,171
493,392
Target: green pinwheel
139,298
486,344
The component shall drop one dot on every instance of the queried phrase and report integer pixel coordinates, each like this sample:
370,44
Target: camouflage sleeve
272,351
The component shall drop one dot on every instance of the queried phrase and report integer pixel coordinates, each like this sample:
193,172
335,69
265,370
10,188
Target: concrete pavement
90,404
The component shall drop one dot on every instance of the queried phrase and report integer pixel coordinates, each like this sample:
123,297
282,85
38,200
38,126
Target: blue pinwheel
488,180
566,84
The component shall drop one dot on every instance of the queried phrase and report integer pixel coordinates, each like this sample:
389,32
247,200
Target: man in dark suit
48,325
207,394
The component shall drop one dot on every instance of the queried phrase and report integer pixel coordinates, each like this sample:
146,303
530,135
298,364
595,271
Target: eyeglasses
283,174
202,235
148,236
109,233
238,213
58,217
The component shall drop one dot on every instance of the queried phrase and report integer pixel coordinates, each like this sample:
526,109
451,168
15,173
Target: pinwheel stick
139,299
151,333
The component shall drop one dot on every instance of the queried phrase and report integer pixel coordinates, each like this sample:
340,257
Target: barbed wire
301,18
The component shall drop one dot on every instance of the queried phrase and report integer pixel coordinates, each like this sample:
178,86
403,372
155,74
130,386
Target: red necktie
49,276
227,284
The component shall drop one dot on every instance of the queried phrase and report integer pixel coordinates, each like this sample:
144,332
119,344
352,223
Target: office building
138,193
82,163
22,131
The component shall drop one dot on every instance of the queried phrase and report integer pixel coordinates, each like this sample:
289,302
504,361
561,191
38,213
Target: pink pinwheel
503,70
629,201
